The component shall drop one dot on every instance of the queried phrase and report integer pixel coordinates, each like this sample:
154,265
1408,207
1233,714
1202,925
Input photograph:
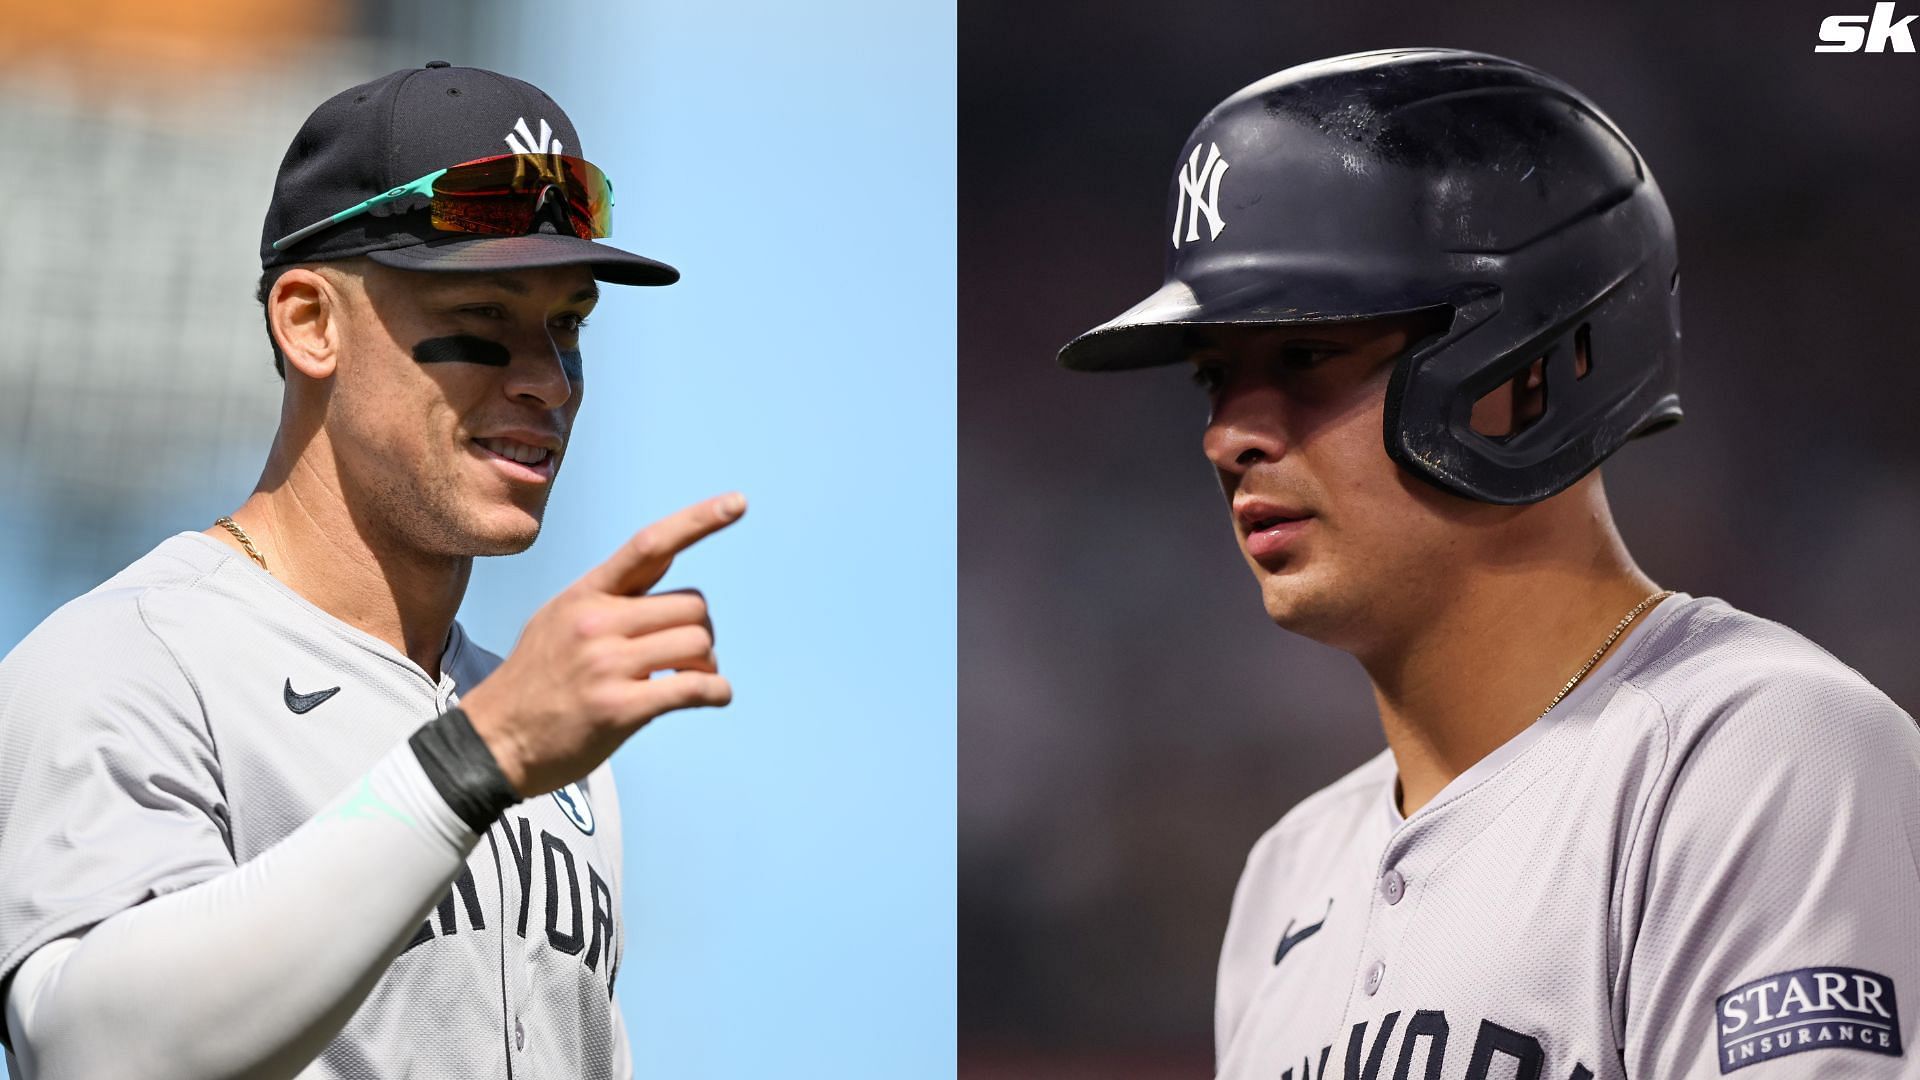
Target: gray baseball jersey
1705,860
189,713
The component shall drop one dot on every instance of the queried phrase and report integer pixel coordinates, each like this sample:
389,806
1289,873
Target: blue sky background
789,880
790,860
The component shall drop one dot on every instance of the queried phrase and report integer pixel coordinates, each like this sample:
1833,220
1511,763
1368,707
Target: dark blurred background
1130,722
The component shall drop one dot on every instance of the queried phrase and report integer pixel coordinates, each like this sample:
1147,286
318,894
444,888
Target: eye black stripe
462,349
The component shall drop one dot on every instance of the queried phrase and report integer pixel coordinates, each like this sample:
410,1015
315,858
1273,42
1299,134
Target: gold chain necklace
226,522
1604,646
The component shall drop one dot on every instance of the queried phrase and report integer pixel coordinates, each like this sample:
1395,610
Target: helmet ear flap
1509,409
1513,406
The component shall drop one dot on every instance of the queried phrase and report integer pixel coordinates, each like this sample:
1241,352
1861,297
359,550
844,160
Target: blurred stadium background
789,902
1130,721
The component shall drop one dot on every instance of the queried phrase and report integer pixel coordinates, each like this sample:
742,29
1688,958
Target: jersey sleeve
333,902
1778,890
110,790
1236,979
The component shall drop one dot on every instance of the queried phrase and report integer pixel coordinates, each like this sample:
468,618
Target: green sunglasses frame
417,189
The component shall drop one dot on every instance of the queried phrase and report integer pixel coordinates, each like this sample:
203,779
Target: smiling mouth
515,451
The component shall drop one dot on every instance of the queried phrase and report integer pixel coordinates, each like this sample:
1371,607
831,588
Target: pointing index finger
644,559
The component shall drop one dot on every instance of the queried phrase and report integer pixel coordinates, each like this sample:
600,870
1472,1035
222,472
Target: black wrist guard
462,769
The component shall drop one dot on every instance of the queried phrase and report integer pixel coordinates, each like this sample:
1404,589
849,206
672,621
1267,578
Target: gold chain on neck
1604,646
226,522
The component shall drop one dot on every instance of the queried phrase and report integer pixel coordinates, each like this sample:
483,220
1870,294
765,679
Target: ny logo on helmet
1200,194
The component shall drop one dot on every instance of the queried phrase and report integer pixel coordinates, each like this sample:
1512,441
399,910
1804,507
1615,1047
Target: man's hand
583,675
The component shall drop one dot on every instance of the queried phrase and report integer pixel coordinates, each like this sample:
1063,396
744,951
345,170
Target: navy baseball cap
379,135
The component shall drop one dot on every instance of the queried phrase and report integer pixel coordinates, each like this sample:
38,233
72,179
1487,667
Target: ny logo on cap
524,143
1200,194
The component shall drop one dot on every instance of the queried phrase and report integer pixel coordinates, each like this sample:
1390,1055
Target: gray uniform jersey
1705,860
189,713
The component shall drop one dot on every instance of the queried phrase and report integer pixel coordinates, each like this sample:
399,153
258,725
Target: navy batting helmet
1403,180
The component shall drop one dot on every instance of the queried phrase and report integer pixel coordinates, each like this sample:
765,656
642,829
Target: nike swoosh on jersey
1289,937
300,703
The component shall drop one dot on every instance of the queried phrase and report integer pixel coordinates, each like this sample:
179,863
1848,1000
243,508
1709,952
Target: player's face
1341,540
460,390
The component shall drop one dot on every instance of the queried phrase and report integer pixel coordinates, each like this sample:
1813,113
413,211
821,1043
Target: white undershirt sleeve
252,972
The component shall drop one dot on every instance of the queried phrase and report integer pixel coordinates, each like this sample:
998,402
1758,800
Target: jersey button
1393,886
1375,972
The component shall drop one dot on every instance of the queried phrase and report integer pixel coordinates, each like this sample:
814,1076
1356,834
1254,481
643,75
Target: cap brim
540,250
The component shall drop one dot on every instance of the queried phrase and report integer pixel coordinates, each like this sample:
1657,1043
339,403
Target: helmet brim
1155,331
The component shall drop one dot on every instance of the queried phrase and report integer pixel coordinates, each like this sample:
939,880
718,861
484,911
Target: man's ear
305,311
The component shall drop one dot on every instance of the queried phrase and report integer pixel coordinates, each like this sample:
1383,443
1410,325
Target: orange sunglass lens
501,195
487,215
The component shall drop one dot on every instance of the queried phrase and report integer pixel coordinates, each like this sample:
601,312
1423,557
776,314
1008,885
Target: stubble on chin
1304,601
439,518
512,541
493,529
